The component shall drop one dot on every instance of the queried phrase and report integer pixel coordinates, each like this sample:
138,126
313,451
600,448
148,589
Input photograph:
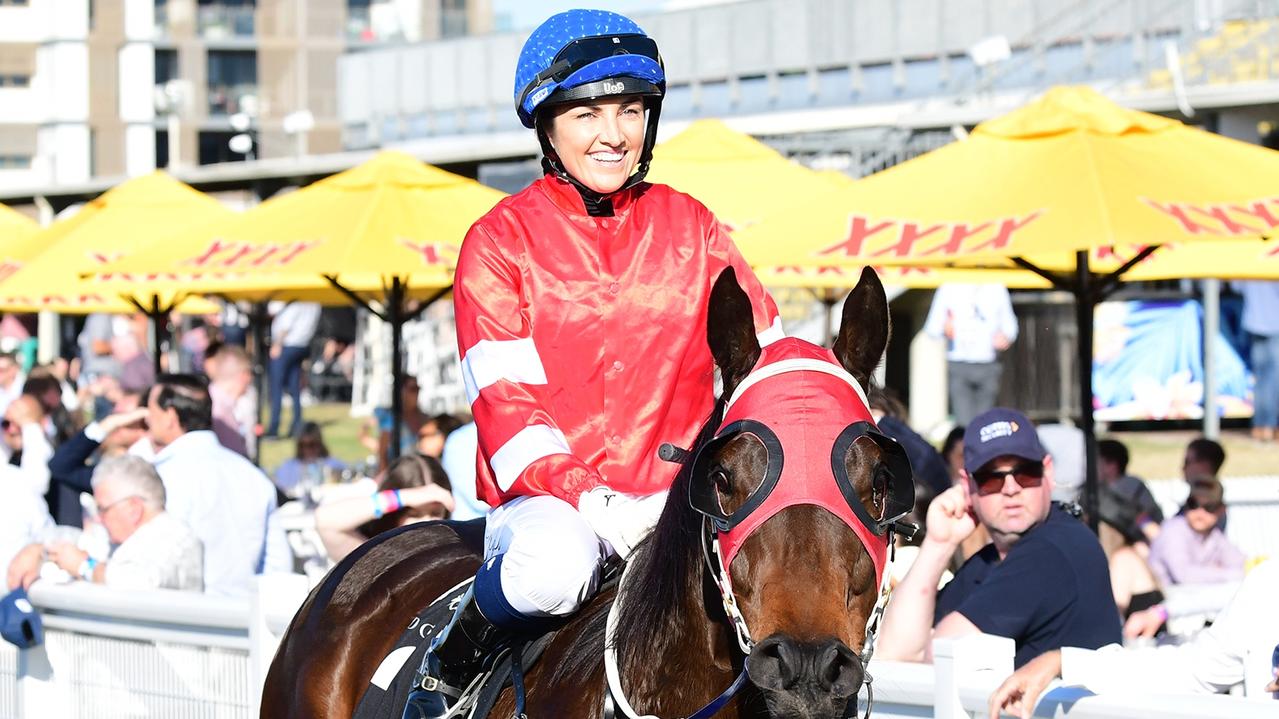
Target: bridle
776,416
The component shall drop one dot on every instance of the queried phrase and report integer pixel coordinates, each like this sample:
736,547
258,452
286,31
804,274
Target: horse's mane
663,571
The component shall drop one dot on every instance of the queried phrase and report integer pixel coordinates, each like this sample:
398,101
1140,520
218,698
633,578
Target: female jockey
581,322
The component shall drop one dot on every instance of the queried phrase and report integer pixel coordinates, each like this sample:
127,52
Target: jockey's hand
950,516
622,520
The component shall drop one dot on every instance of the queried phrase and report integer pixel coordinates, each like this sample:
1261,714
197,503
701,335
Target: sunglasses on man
1193,503
991,481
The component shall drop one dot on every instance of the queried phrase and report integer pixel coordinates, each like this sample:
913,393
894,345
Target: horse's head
801,491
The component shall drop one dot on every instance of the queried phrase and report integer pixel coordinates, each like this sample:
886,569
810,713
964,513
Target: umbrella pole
1085,301
260,325
1211,328
395,314
157,331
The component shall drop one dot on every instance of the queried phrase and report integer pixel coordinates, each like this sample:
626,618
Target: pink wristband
385,502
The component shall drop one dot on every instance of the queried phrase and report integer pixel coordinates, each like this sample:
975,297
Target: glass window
226,18
232,74
166,66
214,147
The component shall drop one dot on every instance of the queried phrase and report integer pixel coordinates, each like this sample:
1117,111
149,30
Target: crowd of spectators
112,474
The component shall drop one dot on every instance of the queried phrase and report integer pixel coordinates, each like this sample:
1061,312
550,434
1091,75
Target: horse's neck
684,664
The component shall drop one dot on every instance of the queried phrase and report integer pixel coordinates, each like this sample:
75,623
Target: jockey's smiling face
599,141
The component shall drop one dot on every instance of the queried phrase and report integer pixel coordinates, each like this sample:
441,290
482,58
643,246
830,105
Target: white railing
156,654
174,654
169,654
968,670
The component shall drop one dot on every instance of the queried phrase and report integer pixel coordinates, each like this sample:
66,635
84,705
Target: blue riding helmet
582,54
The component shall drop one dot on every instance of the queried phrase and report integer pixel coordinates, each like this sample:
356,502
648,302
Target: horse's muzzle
817,671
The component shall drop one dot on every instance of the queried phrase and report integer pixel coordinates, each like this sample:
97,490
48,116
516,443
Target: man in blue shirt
1042,581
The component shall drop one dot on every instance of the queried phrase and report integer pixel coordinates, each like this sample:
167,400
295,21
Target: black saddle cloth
393,678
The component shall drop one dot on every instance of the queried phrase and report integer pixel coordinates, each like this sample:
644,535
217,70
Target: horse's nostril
840,669
774,664
780,664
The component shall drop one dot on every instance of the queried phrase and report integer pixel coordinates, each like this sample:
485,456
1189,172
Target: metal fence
167,654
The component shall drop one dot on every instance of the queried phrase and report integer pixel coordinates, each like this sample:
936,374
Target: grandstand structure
844,84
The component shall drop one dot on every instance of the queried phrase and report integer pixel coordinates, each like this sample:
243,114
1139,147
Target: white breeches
552,558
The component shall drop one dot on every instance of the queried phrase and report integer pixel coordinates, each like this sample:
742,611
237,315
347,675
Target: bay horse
805,580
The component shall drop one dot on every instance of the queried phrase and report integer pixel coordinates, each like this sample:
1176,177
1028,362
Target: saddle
389,688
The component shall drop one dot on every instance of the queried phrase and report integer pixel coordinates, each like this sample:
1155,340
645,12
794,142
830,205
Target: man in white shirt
154,550
24,519
24,435
1237,649
221,496
292,329
977,322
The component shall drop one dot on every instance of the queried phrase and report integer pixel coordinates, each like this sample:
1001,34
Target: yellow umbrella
391,226
16,245
389,219
1070,171
843,278
738,177
114,225
1227,259
742,180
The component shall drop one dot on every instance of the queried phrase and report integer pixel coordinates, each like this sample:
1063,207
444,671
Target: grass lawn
1158,455
341,434
1155,455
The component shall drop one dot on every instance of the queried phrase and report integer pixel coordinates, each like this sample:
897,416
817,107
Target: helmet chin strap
599,204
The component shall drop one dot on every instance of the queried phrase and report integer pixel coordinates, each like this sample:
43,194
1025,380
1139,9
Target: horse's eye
723,484
880,483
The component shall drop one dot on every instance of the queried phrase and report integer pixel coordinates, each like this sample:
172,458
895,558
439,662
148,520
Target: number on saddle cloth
389,688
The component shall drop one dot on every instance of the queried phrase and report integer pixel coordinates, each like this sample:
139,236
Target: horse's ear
730,330
863,331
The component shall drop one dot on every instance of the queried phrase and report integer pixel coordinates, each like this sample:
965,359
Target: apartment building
117,87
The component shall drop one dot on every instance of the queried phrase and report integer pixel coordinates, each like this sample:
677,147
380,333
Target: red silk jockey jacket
583,339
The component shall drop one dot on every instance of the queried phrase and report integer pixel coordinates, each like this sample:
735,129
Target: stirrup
463,656
431,698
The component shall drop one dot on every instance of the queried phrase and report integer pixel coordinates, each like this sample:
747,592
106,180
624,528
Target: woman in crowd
310,461
1133,583
430,438
414,489
414,421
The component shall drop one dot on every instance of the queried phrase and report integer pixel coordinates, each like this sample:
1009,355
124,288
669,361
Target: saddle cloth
393,680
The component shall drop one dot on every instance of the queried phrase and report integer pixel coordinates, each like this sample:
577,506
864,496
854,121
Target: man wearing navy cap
1042,581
